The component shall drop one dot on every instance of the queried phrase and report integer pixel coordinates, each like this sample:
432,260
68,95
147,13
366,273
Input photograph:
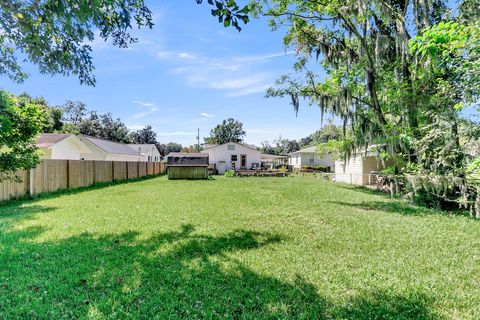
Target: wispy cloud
204,116
143,104
236,76
152,108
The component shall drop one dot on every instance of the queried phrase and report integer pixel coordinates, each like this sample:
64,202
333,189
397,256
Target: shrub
229,173
315,169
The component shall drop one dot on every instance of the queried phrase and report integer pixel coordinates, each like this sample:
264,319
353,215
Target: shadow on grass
174,275
390,206
362,189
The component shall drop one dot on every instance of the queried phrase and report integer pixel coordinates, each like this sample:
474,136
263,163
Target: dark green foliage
21,121
55,35
315,169
230,130
229,13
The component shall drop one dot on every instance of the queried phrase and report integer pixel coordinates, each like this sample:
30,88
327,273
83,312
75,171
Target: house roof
306,150
111,147
47,140
272,156
210,146
144,147
188,154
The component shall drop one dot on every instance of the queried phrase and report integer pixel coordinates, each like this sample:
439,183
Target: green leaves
20,122
55,35
229,13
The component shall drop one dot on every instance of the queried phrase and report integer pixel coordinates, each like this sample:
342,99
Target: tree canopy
230,130
21,120
397,72
55,35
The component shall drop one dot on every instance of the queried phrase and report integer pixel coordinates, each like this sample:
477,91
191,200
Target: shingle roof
144,147
306,150
46,140
210,146
112,147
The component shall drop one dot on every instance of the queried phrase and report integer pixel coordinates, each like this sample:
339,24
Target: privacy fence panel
11,189
119,170
150,168
104,171
142,169
53,175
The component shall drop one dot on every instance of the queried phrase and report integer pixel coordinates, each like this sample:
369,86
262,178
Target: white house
309,157
358,168
82,147
149,152
272,160
62,146
233,155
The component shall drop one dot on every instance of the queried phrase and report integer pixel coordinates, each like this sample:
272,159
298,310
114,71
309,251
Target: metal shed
187,166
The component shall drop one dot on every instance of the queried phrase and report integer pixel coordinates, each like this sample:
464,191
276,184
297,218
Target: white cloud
143,104
236,76
207,115
149,105
186,55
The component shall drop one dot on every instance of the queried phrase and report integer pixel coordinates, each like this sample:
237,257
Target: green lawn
251,248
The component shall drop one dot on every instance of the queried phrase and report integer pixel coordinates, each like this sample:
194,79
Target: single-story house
233,155
273,160
62,146
309,157
82,147
148,152
358,168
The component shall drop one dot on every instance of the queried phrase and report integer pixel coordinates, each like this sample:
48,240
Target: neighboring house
62,146
233,155
149,152
309,157
109,150
272,160
81,147
358,168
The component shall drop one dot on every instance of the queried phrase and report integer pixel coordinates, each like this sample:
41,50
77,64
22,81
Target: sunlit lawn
253,248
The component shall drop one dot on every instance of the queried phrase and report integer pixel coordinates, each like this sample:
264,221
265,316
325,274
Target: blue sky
188,72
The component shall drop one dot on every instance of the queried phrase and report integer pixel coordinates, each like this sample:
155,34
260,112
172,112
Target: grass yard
252,248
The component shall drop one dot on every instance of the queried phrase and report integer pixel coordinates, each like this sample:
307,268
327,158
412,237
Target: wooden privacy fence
53,175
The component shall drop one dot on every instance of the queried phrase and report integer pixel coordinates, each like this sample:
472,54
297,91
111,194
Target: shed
187,166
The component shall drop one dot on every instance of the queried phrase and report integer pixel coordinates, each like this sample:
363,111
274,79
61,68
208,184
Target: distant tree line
75,117
283,146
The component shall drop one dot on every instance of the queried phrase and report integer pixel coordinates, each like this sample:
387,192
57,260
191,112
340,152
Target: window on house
311,159
231,147
234,157
149,158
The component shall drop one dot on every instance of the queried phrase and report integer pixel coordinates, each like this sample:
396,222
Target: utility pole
198,139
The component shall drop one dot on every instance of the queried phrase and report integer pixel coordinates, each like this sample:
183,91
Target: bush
229,173
315,169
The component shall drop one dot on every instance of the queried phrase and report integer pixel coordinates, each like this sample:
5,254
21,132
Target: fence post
94,172
68,174
30,182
